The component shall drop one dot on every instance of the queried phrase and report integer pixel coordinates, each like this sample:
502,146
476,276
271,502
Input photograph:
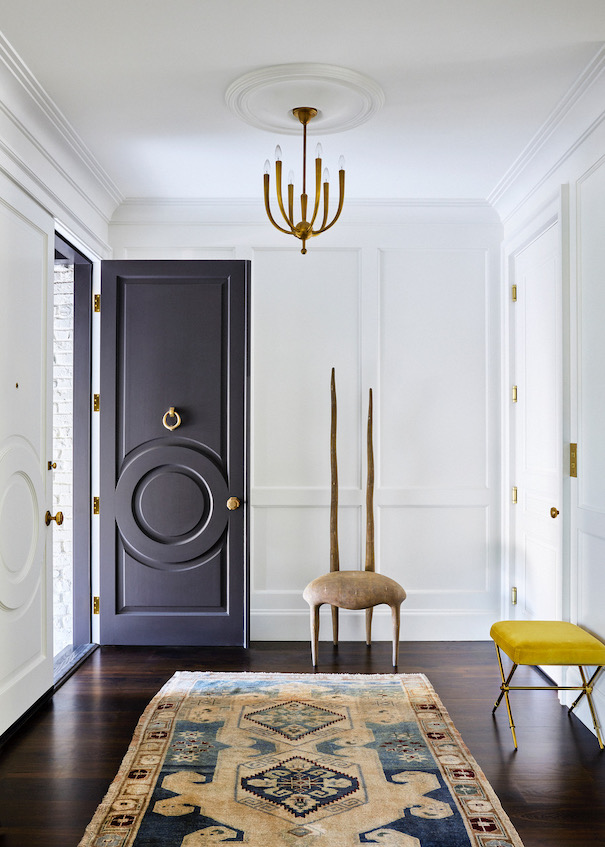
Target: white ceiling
467,84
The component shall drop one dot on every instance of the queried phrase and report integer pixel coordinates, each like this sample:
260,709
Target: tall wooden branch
334,556
370,562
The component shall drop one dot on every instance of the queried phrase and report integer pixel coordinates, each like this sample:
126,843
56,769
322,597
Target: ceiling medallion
344,99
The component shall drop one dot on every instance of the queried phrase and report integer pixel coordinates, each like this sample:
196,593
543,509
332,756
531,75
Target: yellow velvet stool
548,643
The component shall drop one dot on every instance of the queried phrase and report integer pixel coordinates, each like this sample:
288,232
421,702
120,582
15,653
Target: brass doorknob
58,518
554,512
233,503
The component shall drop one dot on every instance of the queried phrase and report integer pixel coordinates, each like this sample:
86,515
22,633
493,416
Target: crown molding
58,121
404,202
564,107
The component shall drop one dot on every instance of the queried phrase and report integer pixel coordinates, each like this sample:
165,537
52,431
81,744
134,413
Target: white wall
564,167
400,298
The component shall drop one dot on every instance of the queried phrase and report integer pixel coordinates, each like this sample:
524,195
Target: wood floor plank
55,770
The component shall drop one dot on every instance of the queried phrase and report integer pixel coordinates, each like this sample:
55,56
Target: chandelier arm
326,206
268,208
341,199
291,201
278,169
317,190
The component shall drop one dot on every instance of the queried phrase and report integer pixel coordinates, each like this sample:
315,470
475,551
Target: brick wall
63,454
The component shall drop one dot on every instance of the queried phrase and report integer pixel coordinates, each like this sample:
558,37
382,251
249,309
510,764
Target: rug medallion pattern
289,760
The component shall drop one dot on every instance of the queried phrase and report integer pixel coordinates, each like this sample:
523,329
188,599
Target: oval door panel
170,504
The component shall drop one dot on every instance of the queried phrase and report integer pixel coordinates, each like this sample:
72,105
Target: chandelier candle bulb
303,230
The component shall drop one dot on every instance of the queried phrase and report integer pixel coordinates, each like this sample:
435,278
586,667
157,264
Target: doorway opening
70,464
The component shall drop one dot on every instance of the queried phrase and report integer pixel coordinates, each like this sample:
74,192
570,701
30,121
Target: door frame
82,455
554,213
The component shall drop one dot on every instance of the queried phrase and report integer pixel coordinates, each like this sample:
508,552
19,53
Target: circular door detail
170,504
22,541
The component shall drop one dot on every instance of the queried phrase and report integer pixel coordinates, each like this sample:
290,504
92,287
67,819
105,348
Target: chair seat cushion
547,643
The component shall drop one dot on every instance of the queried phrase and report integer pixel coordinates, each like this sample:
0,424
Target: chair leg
335,625
587,690
396,616
369,625
314,633
504,692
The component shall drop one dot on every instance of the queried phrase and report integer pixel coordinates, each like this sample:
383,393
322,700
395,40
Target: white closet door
537,421
26,260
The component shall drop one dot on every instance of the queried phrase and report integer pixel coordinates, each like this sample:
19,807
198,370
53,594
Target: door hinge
514,394
513,595
96,402
96,303
514,497
573,459
96,602
513,293
96,505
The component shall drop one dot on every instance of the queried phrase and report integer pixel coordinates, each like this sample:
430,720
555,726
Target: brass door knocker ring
171,413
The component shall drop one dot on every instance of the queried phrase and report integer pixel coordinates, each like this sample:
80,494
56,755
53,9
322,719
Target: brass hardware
554,512
96,603
96,402
304,228
233,503
97,303
514,497
513,595
171,413
52,466
514,394
573,460
58,518
513,292
96,505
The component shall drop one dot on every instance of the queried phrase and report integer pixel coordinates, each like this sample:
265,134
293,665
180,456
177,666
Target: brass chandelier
304,228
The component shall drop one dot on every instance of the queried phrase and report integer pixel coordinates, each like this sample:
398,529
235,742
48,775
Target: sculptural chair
352,589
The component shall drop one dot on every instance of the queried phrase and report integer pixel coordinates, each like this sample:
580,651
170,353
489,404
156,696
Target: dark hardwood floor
56,769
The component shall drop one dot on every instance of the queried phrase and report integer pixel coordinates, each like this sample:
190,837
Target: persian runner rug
290,760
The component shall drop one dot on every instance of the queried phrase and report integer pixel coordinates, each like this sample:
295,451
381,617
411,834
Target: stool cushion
547,643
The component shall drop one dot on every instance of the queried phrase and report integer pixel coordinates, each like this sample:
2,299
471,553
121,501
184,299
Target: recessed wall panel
306,320
292,546
591,472
433,377
435,549
591,582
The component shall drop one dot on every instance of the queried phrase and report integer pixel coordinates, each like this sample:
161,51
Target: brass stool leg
587,690
504,693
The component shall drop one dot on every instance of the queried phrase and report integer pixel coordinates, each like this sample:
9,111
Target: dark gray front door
174,400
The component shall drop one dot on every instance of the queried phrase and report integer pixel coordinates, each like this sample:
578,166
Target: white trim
563,108
48,107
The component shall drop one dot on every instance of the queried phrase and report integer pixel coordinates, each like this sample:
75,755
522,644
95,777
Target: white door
26,258
537,428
